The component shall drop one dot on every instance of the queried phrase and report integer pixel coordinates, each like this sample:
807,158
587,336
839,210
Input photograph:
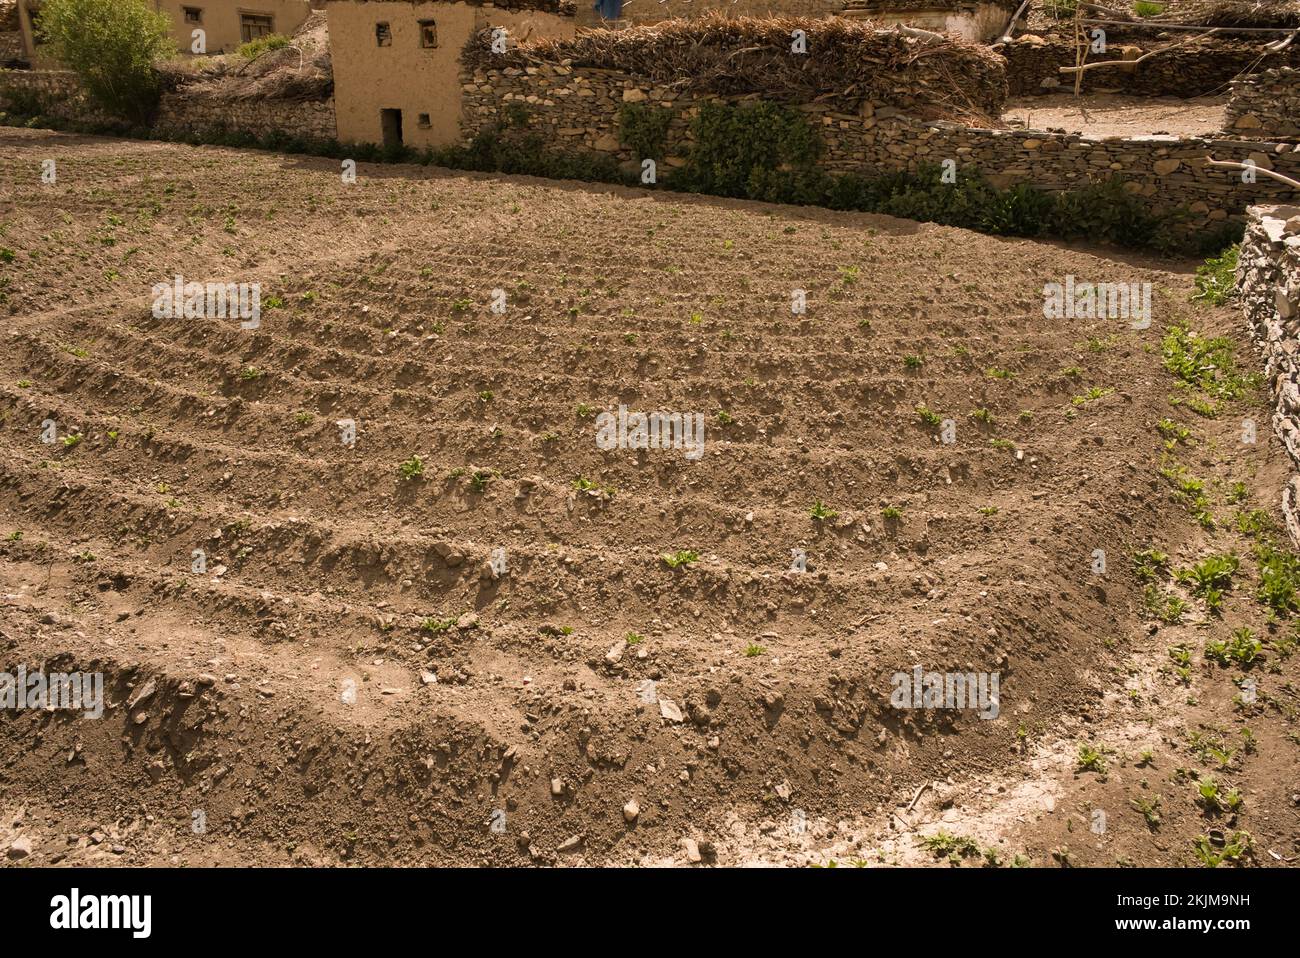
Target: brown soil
225,688
1117,115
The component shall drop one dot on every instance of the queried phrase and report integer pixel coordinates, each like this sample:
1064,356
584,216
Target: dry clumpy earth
351,682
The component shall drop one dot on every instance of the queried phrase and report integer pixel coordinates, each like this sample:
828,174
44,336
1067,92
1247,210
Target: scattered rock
669,710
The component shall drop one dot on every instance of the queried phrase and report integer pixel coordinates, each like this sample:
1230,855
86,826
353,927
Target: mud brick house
226,23
397,62
229,23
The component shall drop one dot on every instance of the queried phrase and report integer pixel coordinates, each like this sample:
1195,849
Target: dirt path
1117,115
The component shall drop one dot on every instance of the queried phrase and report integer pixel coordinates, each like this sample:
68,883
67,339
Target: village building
397,62
229,23
226,24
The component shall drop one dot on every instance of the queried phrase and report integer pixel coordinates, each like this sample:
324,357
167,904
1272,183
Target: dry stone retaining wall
1198,69
577,109
1268,282
180,112
1266,105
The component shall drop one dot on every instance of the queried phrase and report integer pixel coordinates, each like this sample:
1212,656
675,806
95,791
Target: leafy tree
112,45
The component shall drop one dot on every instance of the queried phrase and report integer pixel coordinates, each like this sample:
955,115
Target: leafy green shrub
644,128
737,147
255,48
1279,577
112,46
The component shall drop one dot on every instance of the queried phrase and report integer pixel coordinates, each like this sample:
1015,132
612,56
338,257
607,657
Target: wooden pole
1233,165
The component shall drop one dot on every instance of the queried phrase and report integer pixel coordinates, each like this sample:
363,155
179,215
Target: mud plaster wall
1268,282
369,78
1266,105
180,112
577,109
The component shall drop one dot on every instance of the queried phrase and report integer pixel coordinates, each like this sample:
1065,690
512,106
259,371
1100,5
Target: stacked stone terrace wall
1268,283
1198,69
577,109
180,112
1266,105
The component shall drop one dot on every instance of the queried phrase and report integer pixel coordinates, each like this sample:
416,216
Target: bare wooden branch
1279,45
1234,165
1129,63
1011,27
928,35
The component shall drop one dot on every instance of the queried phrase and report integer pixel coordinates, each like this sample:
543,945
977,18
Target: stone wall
1268,282
57,91
1266,105
1198,69
180,112
577,109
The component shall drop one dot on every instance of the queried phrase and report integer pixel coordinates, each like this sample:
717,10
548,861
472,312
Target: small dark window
428,34
253,25
193,14
383,35
424,121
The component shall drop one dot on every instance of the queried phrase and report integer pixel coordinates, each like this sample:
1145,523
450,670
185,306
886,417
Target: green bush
112,46
255,48
644,129
738,147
